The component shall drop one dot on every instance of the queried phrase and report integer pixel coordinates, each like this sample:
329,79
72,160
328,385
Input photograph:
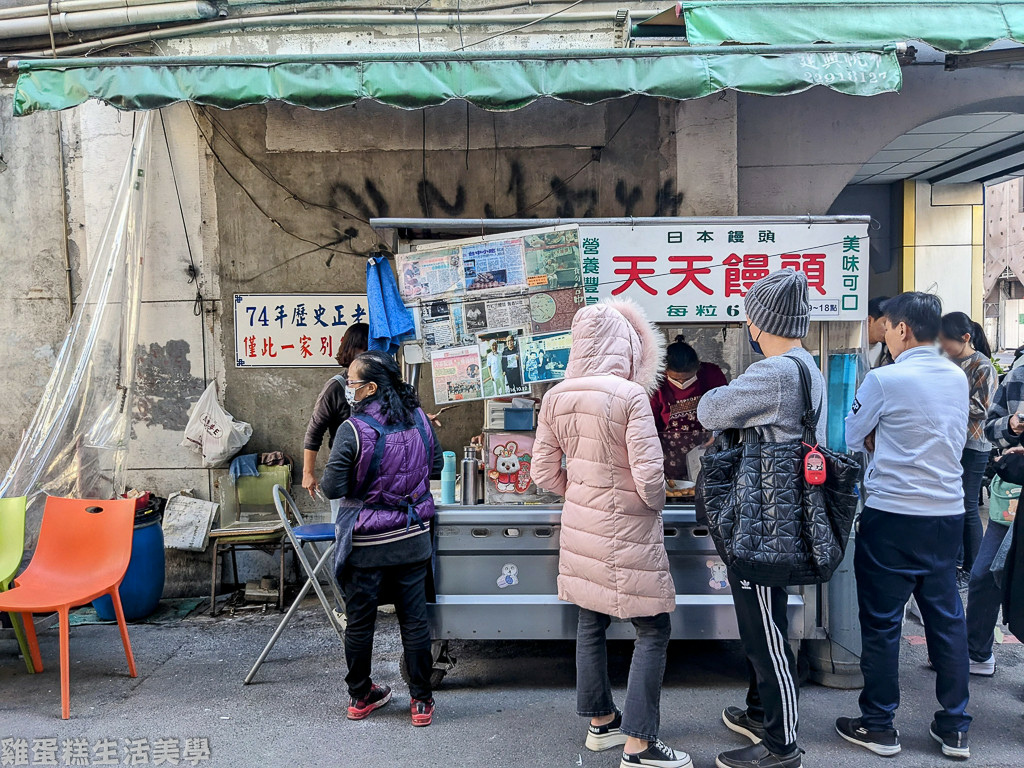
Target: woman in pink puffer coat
612,559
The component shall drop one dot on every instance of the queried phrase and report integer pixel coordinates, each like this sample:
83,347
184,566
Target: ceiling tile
960,123
921,140
1008,123
896,155
942,155
971,140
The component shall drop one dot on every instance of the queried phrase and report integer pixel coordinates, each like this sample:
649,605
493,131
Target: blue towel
390,320
243,466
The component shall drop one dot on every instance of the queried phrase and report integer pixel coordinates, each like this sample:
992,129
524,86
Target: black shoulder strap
378,453
378,447
811,415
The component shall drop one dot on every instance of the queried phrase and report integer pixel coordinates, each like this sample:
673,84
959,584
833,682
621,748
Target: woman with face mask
381,465
674,404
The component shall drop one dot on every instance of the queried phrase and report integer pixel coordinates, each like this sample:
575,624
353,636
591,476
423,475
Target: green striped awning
960,27
492,80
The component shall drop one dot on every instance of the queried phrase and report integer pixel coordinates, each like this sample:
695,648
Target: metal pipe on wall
73,6
324,20
82,21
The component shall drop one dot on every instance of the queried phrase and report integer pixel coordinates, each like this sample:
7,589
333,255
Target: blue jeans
984,597
898,556
974,464
641,715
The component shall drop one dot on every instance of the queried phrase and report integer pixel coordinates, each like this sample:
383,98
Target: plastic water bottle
448,478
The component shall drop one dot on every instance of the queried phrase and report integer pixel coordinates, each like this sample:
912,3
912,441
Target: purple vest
398,496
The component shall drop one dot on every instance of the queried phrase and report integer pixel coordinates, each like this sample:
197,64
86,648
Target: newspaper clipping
456,374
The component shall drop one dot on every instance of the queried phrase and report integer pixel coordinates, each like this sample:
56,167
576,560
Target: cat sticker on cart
511,472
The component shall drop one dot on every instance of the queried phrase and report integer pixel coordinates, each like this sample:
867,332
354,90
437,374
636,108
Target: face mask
754,345
350,397
682,385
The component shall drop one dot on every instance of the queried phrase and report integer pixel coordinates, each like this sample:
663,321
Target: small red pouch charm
814,466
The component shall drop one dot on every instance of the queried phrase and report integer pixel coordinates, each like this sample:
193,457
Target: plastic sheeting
77,442
491,80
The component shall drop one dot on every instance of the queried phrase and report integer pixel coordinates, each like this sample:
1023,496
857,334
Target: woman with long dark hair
381,464
963,340
331,409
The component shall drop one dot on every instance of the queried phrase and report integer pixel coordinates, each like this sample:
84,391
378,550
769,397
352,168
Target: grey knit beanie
778,304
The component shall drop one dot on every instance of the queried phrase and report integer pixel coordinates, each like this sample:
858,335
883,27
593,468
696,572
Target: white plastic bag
213,432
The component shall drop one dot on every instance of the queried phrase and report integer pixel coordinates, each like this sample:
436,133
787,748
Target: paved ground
506,704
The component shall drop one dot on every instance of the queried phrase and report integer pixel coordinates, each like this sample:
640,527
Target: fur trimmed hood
614,337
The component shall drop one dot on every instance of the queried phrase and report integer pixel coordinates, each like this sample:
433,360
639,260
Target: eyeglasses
355,384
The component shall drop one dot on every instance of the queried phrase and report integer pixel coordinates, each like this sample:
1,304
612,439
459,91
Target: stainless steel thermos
472,476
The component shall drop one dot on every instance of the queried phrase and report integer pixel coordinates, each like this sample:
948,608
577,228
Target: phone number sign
291,330
700,273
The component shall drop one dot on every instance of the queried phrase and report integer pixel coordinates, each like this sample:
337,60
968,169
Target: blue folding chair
301,534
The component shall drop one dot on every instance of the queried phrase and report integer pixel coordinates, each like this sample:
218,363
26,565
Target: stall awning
962,26
493,80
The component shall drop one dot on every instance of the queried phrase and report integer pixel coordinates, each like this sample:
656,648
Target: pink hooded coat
612,555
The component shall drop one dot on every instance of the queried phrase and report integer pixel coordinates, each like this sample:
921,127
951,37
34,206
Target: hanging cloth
390,320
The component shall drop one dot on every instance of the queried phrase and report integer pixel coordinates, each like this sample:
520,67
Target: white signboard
292,330
699,273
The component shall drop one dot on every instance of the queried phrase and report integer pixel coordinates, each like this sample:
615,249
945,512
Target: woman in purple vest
382,460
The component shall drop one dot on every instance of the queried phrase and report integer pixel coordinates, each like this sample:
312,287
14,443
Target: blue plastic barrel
143,582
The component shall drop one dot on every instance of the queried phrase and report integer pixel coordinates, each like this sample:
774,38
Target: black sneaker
657,755
884,743
953,744
602,737
739,721
758,756
378,696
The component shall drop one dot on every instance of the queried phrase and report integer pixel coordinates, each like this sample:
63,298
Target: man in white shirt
912,418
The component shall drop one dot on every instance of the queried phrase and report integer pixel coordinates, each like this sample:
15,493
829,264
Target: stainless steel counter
497,567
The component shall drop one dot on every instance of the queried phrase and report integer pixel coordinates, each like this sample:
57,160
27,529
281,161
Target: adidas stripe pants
764,631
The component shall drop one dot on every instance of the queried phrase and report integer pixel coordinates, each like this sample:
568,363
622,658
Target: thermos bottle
448,478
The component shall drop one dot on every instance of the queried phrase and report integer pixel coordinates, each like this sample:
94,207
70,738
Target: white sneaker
657,755
602,737
985,668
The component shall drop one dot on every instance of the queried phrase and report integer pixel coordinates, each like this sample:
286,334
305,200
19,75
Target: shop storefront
494,314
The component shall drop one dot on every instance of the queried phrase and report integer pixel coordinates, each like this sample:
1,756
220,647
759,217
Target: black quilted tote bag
769,525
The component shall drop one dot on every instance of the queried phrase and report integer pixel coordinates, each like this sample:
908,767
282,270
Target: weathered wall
550,159
33,288
172,365
626,158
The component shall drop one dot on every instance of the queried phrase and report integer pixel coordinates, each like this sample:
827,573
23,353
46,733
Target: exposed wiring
522,26
563,183
317,246
221,131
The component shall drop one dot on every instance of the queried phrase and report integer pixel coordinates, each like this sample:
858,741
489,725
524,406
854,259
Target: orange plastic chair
83,552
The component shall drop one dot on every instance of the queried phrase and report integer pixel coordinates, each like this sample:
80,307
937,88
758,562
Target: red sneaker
422,712
378,696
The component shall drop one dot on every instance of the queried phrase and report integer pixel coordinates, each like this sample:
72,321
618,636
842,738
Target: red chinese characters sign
287,330
701,272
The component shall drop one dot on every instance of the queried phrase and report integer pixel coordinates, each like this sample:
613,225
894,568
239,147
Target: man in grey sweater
768,397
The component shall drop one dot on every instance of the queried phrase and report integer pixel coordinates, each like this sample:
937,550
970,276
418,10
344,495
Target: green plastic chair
12,547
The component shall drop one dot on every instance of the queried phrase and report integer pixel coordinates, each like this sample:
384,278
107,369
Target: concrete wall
548,160
178,350
797,153
946,245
